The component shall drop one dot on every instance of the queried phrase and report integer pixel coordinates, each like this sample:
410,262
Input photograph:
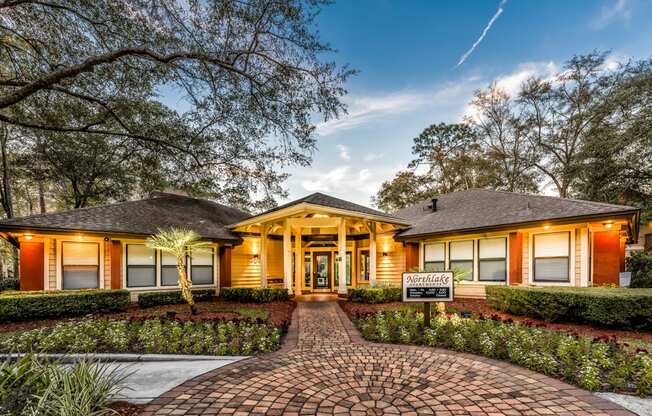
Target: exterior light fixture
608,225
384,254
255,259
546,227
28,236
79,237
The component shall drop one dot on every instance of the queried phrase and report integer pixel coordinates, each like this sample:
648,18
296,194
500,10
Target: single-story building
307,245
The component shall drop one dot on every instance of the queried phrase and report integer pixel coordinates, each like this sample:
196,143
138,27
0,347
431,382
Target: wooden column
341,257
32,265
116,264
411,257
263,255
372,254
287,256
297,261
225,266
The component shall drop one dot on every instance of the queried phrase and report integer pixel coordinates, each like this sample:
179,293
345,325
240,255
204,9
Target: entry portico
320,238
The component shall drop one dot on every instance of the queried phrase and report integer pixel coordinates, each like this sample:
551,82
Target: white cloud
613,11
370,157
344,152
483,34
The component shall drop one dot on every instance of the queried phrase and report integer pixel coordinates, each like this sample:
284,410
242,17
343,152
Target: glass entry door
322,270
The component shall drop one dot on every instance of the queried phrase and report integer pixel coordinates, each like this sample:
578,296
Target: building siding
52,263
389,268
244,271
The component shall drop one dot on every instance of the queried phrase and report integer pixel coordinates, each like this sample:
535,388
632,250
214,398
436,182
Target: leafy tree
251,74
403,190
179,242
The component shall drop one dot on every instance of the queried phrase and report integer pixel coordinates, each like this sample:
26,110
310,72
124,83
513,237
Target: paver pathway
326,368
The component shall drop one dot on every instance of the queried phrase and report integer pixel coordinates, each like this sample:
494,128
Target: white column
297,261
372,254
584,257
263,255
287,256
341,248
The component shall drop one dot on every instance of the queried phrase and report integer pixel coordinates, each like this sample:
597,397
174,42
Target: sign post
427,287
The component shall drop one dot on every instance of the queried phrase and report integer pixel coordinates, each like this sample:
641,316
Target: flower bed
591,363
150,336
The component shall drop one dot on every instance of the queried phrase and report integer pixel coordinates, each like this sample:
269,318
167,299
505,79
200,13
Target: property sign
428,287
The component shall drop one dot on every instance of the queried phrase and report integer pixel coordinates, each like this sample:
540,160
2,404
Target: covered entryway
324,244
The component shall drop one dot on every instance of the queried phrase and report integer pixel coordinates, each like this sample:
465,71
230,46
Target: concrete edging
68,358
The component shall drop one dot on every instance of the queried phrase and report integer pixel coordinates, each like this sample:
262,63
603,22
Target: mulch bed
127,409
480,306
280,314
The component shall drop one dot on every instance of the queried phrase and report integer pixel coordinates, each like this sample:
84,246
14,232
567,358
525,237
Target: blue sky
407,53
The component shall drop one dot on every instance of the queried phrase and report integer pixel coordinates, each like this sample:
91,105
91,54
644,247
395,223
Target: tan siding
52,264
275,259
578,257
469,290
245,273
389,268
107,264
526,258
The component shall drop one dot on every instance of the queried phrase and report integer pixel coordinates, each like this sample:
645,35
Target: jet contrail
484,33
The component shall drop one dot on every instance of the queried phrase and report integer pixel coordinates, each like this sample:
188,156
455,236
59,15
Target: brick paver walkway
326,368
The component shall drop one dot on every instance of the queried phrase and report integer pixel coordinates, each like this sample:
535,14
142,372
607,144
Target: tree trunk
185,285
41,197
5,192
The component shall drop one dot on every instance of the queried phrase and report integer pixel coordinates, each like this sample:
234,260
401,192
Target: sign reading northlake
428,287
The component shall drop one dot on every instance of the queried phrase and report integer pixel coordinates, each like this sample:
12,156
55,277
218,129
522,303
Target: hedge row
20,306
257,295
149,299
375,294
620,307
9,284
640,264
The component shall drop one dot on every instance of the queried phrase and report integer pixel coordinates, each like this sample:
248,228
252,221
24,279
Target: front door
322,271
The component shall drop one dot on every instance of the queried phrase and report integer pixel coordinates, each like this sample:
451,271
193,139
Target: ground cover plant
149,336
591,363
254,295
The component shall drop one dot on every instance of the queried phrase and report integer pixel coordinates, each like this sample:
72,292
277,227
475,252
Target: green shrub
21,306
620,307
593,364
375,294
254,295
149,299
9,284
149,336
640,264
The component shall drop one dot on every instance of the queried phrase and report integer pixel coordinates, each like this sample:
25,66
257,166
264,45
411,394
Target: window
201,267
552,257
169,274
493,259
364,265
461,258
141,266
434,257
81,265
348,271
307,266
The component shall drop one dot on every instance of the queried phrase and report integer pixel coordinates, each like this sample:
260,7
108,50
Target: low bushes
149,299
640,264
20,306
629,308
375,294
254,295
150,336
9,284
594,364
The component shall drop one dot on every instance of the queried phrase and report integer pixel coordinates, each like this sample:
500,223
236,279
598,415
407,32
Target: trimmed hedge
254,295
619,307
640,264
375,294
149,299
9,284
21,306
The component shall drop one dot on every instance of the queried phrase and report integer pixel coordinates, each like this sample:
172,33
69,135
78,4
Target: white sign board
428,287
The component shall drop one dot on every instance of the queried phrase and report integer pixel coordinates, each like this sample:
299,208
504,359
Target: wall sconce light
608,225
28,236
546,227
255,259
384,254
79,237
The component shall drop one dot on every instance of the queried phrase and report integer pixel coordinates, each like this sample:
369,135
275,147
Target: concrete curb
70,358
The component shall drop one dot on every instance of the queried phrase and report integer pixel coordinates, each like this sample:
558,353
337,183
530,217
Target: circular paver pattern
326,368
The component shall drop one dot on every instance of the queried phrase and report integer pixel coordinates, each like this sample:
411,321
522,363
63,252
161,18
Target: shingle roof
477,209
331,202
143,217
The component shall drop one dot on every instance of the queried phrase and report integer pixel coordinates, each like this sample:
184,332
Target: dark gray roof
142,217
331,202
480,209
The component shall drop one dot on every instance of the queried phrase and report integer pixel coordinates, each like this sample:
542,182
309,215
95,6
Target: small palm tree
179,242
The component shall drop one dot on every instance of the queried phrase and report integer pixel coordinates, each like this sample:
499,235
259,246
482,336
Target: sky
421,60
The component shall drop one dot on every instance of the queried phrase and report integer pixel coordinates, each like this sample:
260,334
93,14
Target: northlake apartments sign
428,287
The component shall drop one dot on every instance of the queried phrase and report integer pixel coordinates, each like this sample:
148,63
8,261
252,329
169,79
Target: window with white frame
492,259
80,265
461,258
551,252
201,266
169,274
434,257
141,265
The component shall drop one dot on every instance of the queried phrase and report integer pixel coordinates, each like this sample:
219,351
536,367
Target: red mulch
280,314
480,306
126,409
